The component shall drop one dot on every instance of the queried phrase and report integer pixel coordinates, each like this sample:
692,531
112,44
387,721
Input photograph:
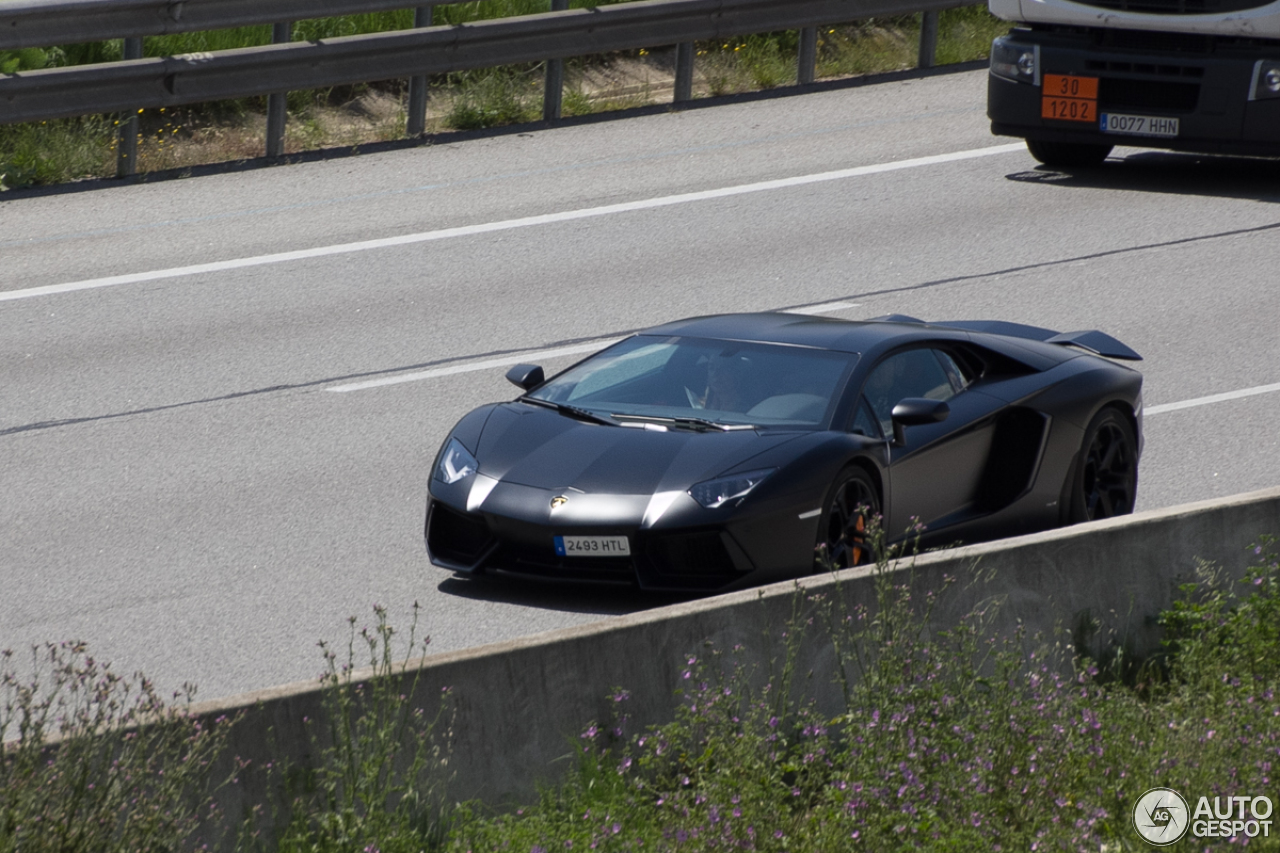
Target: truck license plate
1130,125
592,546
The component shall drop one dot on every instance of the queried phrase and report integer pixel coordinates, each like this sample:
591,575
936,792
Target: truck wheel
1068,154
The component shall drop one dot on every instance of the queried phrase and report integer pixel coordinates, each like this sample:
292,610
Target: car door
935,475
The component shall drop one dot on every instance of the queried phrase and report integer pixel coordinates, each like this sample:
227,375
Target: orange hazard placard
1067,97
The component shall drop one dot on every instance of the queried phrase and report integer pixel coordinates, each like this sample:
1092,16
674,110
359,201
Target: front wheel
843,539
1106,477
1068,154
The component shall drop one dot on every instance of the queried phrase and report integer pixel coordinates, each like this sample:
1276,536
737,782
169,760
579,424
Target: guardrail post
127,134
928,39
553,89
807,61
278,103
417,121
684,73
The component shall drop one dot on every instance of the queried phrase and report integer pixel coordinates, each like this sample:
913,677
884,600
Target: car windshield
702,383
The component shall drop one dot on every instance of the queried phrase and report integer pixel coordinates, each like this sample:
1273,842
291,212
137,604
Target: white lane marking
468,367
506,224
531,355
822,309
813,513
1214,398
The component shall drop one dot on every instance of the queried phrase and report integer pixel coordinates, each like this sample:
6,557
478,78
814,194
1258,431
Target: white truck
1076,77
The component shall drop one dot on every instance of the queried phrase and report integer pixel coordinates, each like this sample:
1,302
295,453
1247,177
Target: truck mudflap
1071,91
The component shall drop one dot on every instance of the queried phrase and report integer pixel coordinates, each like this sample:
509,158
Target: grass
67,150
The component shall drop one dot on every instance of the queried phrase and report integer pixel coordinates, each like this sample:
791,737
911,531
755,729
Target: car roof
852,336
1035,347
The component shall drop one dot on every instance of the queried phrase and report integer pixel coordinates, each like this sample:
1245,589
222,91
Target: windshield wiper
685,422
571,411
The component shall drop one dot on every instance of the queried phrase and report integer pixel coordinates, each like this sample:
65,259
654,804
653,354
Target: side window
956,372
864,422
914,373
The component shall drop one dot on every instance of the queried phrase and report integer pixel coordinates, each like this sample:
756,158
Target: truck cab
1075,78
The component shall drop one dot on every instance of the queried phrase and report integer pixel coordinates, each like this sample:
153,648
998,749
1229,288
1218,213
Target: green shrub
955,740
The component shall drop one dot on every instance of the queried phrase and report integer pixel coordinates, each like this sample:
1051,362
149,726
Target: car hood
531,446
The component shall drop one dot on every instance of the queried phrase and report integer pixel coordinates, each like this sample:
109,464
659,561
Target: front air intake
455,536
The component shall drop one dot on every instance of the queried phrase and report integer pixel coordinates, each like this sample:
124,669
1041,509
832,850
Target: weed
379,783
948,740
55,151
101,762
494,96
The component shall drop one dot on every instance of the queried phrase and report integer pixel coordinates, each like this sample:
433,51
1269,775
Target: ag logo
1161,816
558,501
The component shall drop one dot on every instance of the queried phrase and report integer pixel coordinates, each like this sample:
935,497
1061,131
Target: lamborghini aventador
719,452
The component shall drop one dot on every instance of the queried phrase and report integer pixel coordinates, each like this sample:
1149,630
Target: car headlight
1266,80
1013,61
717,492
456,462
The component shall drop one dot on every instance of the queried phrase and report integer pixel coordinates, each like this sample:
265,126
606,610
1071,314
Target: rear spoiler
1092,340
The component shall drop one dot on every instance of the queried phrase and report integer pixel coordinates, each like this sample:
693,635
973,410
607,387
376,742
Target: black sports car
724,451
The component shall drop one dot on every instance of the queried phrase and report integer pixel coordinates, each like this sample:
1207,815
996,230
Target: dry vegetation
352,116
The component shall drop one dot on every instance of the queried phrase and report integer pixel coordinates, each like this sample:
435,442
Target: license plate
1130,125
1068,97
592,546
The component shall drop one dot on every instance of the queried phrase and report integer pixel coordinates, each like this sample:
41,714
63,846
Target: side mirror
526,376
916,411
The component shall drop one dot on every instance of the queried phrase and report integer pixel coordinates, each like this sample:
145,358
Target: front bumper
696,559
1202,82
482,526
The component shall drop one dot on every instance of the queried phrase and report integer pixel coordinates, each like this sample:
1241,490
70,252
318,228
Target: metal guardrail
137,84
41,23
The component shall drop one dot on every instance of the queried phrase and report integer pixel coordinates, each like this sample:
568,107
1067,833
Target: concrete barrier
519,704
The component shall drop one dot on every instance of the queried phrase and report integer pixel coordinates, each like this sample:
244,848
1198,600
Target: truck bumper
1208,92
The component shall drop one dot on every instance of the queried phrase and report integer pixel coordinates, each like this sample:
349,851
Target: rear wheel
1106,476
1068,154
843,539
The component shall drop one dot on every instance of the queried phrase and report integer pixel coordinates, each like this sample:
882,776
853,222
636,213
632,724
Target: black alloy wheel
843,538
1107,481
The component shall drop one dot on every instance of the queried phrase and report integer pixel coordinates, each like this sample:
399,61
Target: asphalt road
212,455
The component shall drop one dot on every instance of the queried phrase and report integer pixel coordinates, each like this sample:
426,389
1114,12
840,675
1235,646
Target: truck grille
1176,7
1161,42
1116,93
1119,67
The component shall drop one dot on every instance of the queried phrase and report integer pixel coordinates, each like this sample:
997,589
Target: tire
842,534
1105,479
1068,154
